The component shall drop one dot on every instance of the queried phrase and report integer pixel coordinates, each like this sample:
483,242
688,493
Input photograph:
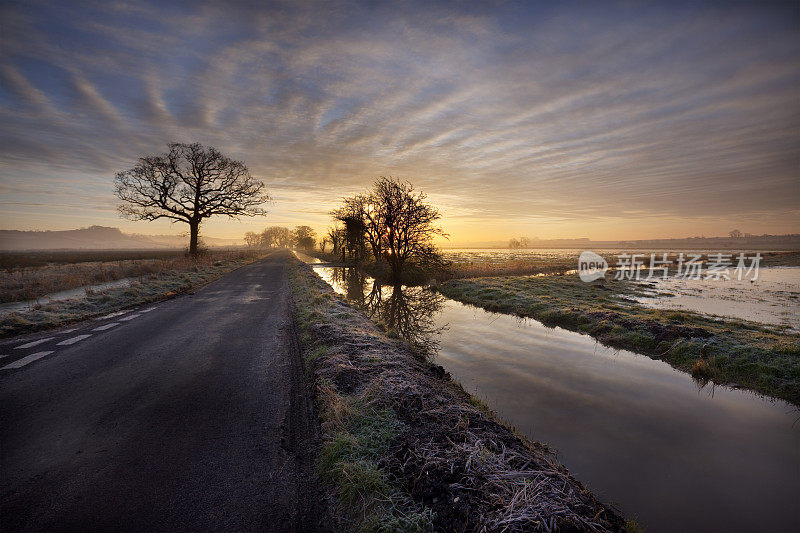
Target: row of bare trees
280,237
522,242
391,225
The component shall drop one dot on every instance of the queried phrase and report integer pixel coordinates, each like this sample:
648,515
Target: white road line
129,318
112,315
147,310
106,326
25,360
73,340
67,331
34,343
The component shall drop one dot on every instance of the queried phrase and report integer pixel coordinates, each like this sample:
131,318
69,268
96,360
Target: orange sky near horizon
619,121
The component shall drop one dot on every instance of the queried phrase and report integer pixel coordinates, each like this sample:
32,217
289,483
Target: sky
566,119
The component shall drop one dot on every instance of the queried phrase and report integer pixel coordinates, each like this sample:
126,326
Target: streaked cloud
554,119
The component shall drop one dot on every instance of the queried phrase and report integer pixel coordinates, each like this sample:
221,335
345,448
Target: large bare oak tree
189,184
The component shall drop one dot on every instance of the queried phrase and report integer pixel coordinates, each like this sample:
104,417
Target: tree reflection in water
408,312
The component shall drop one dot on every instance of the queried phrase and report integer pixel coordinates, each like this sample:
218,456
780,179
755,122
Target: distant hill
96,238
745,242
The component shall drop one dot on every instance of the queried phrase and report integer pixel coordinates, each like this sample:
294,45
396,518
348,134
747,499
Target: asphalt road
190,414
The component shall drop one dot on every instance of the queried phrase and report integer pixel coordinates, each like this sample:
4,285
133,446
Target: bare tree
189,184
354,231
336,236
363,212
276,237
304,237
522,242
396,222
252,240
735,234
354,242
409,225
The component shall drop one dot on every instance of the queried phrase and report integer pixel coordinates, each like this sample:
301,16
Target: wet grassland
737,353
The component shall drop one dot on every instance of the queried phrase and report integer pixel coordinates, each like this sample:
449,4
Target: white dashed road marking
106,326
129,318
73,340
147,310
34,343
112,315
25,360
67,331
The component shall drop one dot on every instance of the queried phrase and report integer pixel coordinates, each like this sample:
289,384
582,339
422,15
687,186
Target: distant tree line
303,237
522,242
390,226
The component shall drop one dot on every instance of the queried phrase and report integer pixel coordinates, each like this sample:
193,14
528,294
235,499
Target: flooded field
774,298
80,292
641,435
488,255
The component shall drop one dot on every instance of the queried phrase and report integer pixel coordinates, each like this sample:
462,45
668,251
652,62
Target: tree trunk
397,270
194,228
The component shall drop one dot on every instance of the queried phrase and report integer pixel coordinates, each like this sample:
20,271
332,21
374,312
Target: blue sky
556,119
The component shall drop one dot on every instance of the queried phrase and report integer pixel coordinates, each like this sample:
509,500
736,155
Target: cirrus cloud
542,117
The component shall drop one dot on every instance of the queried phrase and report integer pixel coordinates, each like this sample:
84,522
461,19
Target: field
31,275
150,279
474,263
15,260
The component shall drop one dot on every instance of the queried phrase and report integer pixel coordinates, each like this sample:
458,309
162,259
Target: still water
77,293
642,436
773,299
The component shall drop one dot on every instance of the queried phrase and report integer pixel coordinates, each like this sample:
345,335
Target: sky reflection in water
635,431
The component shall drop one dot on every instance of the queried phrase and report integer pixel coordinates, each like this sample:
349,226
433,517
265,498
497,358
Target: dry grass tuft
701,371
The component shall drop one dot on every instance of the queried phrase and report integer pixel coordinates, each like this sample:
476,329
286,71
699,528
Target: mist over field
95,238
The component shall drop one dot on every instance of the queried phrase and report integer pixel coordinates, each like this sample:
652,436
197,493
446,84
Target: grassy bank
405,448
169,279
737,353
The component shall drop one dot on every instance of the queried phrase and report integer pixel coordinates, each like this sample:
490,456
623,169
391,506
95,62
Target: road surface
189,414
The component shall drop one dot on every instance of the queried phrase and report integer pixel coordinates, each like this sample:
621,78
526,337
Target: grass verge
730,352
405,448
146,289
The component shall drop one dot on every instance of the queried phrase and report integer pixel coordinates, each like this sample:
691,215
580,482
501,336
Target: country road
189,414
